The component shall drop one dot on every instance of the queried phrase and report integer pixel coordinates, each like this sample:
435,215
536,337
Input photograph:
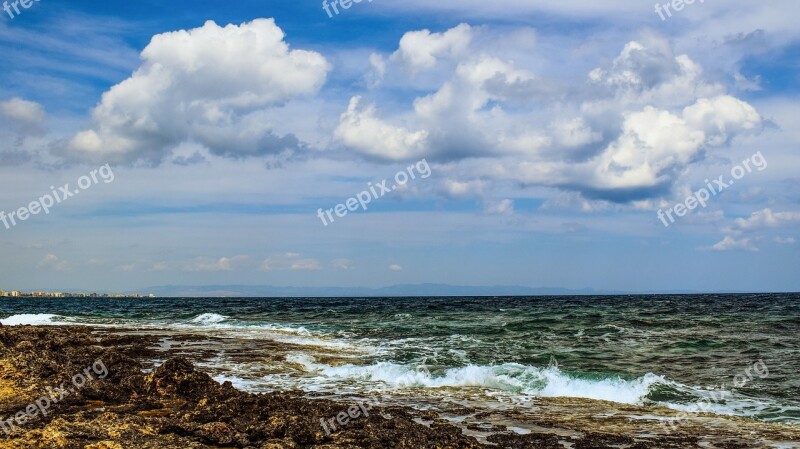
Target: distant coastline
400,290
51,294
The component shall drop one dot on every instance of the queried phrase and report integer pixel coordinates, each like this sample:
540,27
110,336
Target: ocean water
727,354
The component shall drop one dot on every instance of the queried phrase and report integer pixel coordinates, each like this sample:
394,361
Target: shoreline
172,405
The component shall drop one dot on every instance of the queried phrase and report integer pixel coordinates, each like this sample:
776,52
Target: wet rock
175,405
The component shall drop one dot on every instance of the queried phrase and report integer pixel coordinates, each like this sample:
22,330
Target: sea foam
510,377
34,319
209,318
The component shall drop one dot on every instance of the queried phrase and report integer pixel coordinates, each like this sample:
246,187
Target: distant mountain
395,290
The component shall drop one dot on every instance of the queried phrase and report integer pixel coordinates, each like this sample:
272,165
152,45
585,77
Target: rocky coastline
105,392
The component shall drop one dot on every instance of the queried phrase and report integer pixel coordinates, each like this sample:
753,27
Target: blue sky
554,133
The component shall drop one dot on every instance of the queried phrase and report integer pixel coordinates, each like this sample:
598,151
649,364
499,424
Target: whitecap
34,319
209,318
508,377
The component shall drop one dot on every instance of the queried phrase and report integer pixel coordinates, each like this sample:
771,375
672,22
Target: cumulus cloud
206,85
656,144
422,49
647,70
363,132
642,119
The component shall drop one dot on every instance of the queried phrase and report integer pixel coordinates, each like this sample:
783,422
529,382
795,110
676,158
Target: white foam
209,318
34,319
509,377
609,389
207,323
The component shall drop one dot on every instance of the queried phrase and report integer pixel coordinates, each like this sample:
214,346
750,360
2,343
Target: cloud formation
626,135
745,232
206,85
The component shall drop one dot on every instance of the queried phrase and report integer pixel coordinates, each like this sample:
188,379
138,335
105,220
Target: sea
736,355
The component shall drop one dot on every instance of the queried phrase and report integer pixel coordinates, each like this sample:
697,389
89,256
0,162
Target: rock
104,445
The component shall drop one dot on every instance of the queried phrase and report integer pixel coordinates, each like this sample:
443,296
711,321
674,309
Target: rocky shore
105,392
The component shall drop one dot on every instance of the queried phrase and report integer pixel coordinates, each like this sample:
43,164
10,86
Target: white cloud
722,117
743,83
204,85
767,219
21,132
656,143
641,120
457,189
378,69
360,130
730,243
574,133
648,72
707,22
745,231
52,262
290,261
22,110
420,50
395,267
221,264
785,240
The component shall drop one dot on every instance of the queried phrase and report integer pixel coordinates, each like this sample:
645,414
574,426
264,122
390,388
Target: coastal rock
135,404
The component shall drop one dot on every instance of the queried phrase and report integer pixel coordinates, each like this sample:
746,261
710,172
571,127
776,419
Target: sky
575,144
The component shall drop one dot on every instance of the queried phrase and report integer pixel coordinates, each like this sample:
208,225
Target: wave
205,322
33,319
509,377
209,318
522,382
730,403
